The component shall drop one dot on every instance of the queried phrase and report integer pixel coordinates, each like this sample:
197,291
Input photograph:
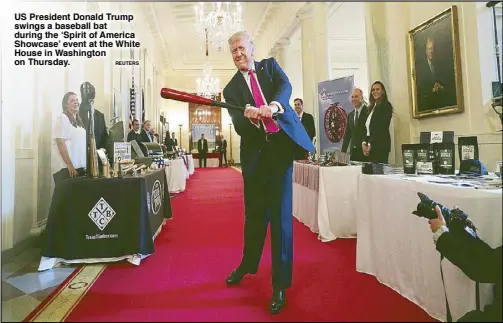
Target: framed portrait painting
435,66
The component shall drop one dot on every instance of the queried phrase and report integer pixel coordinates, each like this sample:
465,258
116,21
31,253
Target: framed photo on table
435,66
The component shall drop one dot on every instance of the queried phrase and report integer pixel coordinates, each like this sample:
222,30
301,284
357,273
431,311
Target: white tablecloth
337,200
397,247
190,160
176,173
305,206
326,201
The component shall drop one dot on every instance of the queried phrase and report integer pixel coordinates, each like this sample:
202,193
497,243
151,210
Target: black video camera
456,220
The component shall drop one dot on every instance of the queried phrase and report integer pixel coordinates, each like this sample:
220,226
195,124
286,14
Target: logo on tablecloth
101,214
156,197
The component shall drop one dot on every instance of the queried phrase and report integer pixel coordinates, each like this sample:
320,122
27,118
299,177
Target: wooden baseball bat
171,94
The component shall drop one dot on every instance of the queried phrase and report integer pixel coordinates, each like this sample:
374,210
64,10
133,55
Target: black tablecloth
106,217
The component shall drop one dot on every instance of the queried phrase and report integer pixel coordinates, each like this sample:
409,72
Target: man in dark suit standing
223,150
202,149
270,132
306,118
308,123
134,134
145,135
88,93
170,142
356,127
173,140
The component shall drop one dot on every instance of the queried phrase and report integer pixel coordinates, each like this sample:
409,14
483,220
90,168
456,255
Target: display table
325,198
106,219
212,159
305,194
337,201
190,163
397,247
177,174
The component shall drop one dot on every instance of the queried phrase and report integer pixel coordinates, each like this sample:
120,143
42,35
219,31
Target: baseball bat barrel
171,94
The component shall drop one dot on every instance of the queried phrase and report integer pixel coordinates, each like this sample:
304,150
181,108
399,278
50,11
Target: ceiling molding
282,24
269,13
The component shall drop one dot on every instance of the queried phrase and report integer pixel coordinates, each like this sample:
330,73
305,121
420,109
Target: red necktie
269,124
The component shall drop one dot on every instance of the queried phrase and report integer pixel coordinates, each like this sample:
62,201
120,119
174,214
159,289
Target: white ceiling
185,50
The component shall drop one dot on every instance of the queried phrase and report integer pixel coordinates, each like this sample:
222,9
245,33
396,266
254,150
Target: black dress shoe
277,302
235,277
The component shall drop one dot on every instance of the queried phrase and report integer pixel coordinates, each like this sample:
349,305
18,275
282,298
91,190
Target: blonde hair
242,35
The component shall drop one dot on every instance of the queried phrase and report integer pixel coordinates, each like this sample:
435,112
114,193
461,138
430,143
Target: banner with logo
334,104
157,196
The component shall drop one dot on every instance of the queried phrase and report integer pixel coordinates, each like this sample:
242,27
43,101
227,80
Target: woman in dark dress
377,144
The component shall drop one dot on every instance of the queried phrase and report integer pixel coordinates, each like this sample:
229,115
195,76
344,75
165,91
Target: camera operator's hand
437,223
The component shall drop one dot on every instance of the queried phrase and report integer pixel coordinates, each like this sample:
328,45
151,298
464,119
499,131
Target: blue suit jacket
275,87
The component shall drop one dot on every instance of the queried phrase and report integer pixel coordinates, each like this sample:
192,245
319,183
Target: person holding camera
476,259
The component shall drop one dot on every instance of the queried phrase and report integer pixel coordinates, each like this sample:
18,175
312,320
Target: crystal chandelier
220,24
207,86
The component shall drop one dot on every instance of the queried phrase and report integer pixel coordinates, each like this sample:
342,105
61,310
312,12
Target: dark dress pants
268,199
202,158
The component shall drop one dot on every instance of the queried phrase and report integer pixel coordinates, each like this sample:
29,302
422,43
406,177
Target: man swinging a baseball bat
270,134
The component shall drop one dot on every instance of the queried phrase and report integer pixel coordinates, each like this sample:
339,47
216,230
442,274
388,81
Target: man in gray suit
356,127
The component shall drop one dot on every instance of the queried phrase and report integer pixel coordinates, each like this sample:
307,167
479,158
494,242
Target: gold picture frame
435,66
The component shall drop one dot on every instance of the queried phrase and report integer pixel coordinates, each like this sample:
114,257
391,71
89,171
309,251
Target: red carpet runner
185,279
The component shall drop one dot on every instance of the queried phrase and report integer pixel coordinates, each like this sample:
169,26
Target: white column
375,16
321,55
398,20
321,46
315,54
307,45
95,74
281,46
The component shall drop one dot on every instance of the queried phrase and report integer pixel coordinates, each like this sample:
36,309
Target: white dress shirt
439,232
367,123
357,114
75,141
277,107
